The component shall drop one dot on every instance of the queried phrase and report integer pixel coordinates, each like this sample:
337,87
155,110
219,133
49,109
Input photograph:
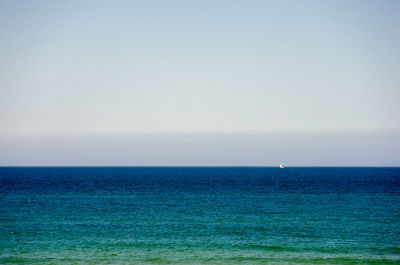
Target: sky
199,82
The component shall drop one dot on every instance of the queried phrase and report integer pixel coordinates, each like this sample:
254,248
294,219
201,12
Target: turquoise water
199,215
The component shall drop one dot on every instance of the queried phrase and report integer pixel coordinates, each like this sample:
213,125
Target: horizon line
192,166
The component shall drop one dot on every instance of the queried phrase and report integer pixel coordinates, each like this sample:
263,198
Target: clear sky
77,69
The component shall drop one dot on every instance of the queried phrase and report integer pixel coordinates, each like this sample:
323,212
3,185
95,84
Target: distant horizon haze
201,150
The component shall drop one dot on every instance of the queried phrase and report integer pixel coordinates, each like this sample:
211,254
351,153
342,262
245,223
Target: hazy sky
81,68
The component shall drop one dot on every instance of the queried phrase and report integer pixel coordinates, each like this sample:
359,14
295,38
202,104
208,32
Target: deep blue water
199,215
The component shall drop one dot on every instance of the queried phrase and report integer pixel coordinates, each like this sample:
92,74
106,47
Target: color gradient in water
199,215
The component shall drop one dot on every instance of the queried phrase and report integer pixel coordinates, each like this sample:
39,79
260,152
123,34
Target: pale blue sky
70,68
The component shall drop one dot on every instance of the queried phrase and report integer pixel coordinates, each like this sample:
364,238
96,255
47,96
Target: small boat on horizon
281,165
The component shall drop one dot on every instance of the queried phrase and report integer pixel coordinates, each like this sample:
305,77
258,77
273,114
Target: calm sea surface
199,215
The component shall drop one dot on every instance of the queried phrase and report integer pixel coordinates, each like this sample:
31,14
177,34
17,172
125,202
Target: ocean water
199,215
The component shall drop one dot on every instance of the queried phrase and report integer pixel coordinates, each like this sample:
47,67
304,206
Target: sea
199,215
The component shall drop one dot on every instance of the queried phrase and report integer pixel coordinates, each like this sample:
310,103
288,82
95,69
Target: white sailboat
281,165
